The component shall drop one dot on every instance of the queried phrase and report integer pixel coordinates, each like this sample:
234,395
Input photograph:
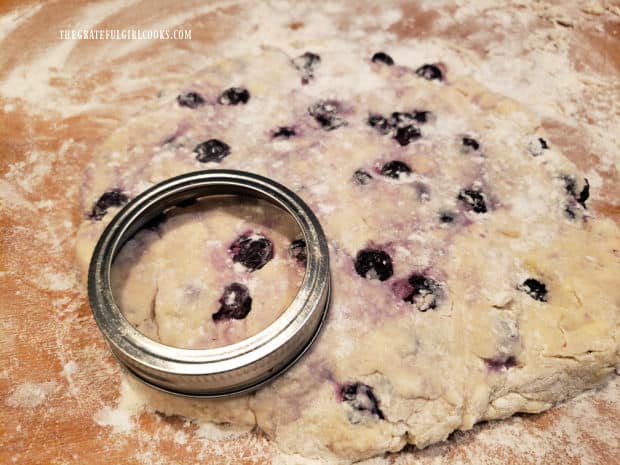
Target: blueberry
429,72
381,57
394,169
190,100
470,143
307,64
284,132
584,194
374,264
473,199
235,303
446,217
404,135
297,250
252,250
502,362
113,198
536,146
234,96
211,150
378,122
535,289
361,397
421,116
326,114
361,177
154,223
424,292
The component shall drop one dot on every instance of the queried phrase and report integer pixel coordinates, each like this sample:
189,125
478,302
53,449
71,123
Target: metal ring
235,368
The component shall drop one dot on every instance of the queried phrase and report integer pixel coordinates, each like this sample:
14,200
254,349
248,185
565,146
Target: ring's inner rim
141,211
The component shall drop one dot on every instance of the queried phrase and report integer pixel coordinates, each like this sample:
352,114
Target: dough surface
500,292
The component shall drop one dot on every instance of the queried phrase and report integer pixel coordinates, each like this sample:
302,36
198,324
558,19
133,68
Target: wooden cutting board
59,386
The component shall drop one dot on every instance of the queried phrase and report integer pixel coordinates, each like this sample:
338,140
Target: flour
31,395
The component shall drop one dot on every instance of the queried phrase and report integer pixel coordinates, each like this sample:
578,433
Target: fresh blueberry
470,143
584,194
502,362
395,169
307,64
424,292
252,250
284,132
446,217
380,123
297,250
326,114
570,186
113,198
535,289
536,146
473,199
190,100
234,96
235,303
422,116
361,397
361,177
187,202
154,223
211,150
381,57
404,135
429,72
374,264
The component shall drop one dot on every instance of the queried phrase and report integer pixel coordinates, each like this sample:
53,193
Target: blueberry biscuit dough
470,279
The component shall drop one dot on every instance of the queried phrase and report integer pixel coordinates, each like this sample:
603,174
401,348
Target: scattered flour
121,417
31,395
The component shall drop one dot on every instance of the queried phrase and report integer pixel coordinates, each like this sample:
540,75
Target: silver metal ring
235,368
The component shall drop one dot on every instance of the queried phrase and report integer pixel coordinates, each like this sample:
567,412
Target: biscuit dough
470,280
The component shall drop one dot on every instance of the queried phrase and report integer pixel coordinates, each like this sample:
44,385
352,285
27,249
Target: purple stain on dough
307,64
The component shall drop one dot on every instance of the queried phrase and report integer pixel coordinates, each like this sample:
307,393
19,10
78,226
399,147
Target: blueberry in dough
325,113
446,217
374,264
404,135
361,177
113,198
252,250
235,303
379,122
424,292
394,169
361,397
422,116
212,150
307,64
469,143
382,57
284,132
190,100
535,289
473,199
536,146
429,72
234,96
297,250
501,363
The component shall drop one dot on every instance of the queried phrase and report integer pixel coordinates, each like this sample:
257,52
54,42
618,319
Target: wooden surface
56,374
